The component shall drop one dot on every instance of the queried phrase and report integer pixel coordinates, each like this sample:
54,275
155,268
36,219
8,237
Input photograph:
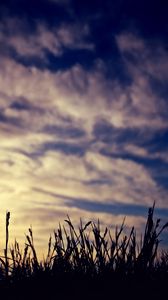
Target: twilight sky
83,112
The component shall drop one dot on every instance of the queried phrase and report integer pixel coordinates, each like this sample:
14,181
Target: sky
83,113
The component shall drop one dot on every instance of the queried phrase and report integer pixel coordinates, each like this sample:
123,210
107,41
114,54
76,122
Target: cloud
85,97
66,100
22,41
145,64
151,57
68,131
63,147
114,208
77,134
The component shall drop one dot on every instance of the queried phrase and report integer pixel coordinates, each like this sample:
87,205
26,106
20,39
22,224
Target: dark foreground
87,264
78,288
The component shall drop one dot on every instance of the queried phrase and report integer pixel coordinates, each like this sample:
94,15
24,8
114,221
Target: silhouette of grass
87,262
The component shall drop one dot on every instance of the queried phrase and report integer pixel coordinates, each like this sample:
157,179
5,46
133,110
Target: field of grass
87,264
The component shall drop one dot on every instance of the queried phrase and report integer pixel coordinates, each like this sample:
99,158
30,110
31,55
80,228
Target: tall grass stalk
88,251
6,245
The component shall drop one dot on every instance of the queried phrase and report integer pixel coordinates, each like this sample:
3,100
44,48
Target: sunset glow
83,114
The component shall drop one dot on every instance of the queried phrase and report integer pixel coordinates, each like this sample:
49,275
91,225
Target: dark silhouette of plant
88,254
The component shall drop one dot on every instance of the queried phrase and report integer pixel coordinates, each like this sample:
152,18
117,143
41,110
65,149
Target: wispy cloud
77,131
43,40
146,64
